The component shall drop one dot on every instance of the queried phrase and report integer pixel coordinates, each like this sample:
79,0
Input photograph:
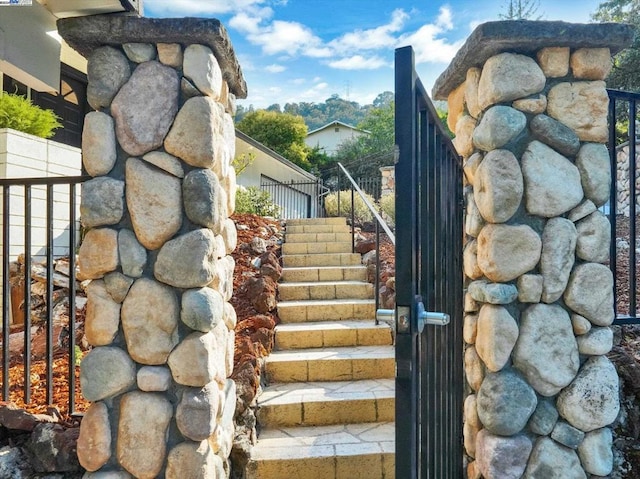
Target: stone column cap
526,37
85,34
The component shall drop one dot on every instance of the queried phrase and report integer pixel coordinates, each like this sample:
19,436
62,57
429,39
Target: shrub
388,206
255,201
18,113
362,213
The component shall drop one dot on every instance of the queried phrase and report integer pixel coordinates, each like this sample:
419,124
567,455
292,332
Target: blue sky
307,50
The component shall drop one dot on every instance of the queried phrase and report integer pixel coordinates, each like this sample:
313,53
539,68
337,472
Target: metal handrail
380,314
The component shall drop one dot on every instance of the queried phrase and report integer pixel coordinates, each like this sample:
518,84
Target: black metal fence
622,205
295,199
39,223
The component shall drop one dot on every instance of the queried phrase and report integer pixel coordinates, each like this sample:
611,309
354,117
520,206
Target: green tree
282,132
626,65
521,10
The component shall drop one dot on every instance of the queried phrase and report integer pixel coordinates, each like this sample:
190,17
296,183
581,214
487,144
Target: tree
626,65
521,10
282,132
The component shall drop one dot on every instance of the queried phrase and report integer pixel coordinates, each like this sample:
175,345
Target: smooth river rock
102,318
107,70
559,239
193,361
94,442
197,412
590,293
98,143
546,352
594,238
499,125
201,67
501,457
98,253
202,309
191,460
596,453
133,256
102,202
497,334
105,372
595,170
596,342
556,135
498,186
550,460
204,203
492,293
505,252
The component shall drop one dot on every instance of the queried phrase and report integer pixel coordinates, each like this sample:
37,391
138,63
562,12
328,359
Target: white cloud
358,62
427,42
245,23
284,37
298,81
374,38
275,68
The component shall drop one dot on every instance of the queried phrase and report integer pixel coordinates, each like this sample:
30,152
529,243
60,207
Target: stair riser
318,238
333,259
301,314
286,340
316,221
372,466
315,248
317,229
324,274
325,291
330,370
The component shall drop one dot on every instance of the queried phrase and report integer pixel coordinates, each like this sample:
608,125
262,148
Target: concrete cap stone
527,37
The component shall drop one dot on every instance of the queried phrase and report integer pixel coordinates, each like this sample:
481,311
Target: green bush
388,206
255,201
362,213
20,114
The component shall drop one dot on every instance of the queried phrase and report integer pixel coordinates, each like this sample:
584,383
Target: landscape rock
262,293
583,210
470,260
509,76
552,183
154,378
499,125
133,256
106,372
591,63
530,286
145,107
591,401
473,369
154,200
193,362
165,162
197,411
498,186
14,463
595,171
202,309
596,453
505,251
94,442
98,143
594,238
197,133
191,460
556,135
471,166
505,403
544,418
187,261
470,328
567,435
139,52
142,429
229,235
502,457
596,342
471,91
493,293
455,102
270,266
150,321
474,220
107,70
12,417
202,199
590,293
553,461
102,202
102,318
559,239
581,325
469,436
52,448
98,253
201,67
117,285
497,335
582,106
554,61
546,352
463,141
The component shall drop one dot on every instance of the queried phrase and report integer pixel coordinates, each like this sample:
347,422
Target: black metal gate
429,217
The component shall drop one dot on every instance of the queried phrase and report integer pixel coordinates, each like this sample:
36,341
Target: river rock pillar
158,145
528,104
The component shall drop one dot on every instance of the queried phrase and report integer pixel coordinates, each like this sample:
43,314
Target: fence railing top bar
382,222
623,95
54,180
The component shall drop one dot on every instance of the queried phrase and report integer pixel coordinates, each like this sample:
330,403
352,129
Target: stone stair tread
327,391
344,332
323,283
324,268
331,325
323,302
299,443
332,354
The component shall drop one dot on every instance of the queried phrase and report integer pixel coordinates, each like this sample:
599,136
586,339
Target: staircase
328,409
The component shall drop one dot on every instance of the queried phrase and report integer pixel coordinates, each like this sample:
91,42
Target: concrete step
326,403
314,228
324,273
332,334
318,238
331,364
325,290
350,451
316,221
325,310
315,248
328,259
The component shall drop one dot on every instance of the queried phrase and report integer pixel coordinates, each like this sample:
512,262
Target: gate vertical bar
6,292
407,391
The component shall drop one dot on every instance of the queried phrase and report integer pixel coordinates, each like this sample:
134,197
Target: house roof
335,123
256,144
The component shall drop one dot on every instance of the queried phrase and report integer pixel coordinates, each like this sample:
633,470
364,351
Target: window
337,130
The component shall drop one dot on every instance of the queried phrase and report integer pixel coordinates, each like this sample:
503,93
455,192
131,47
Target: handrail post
377,282
353,222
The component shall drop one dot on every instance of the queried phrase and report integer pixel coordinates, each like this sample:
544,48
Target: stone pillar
388,180
157,245
529,107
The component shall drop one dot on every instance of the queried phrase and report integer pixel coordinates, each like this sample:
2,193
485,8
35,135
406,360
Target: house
295,190
329,136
